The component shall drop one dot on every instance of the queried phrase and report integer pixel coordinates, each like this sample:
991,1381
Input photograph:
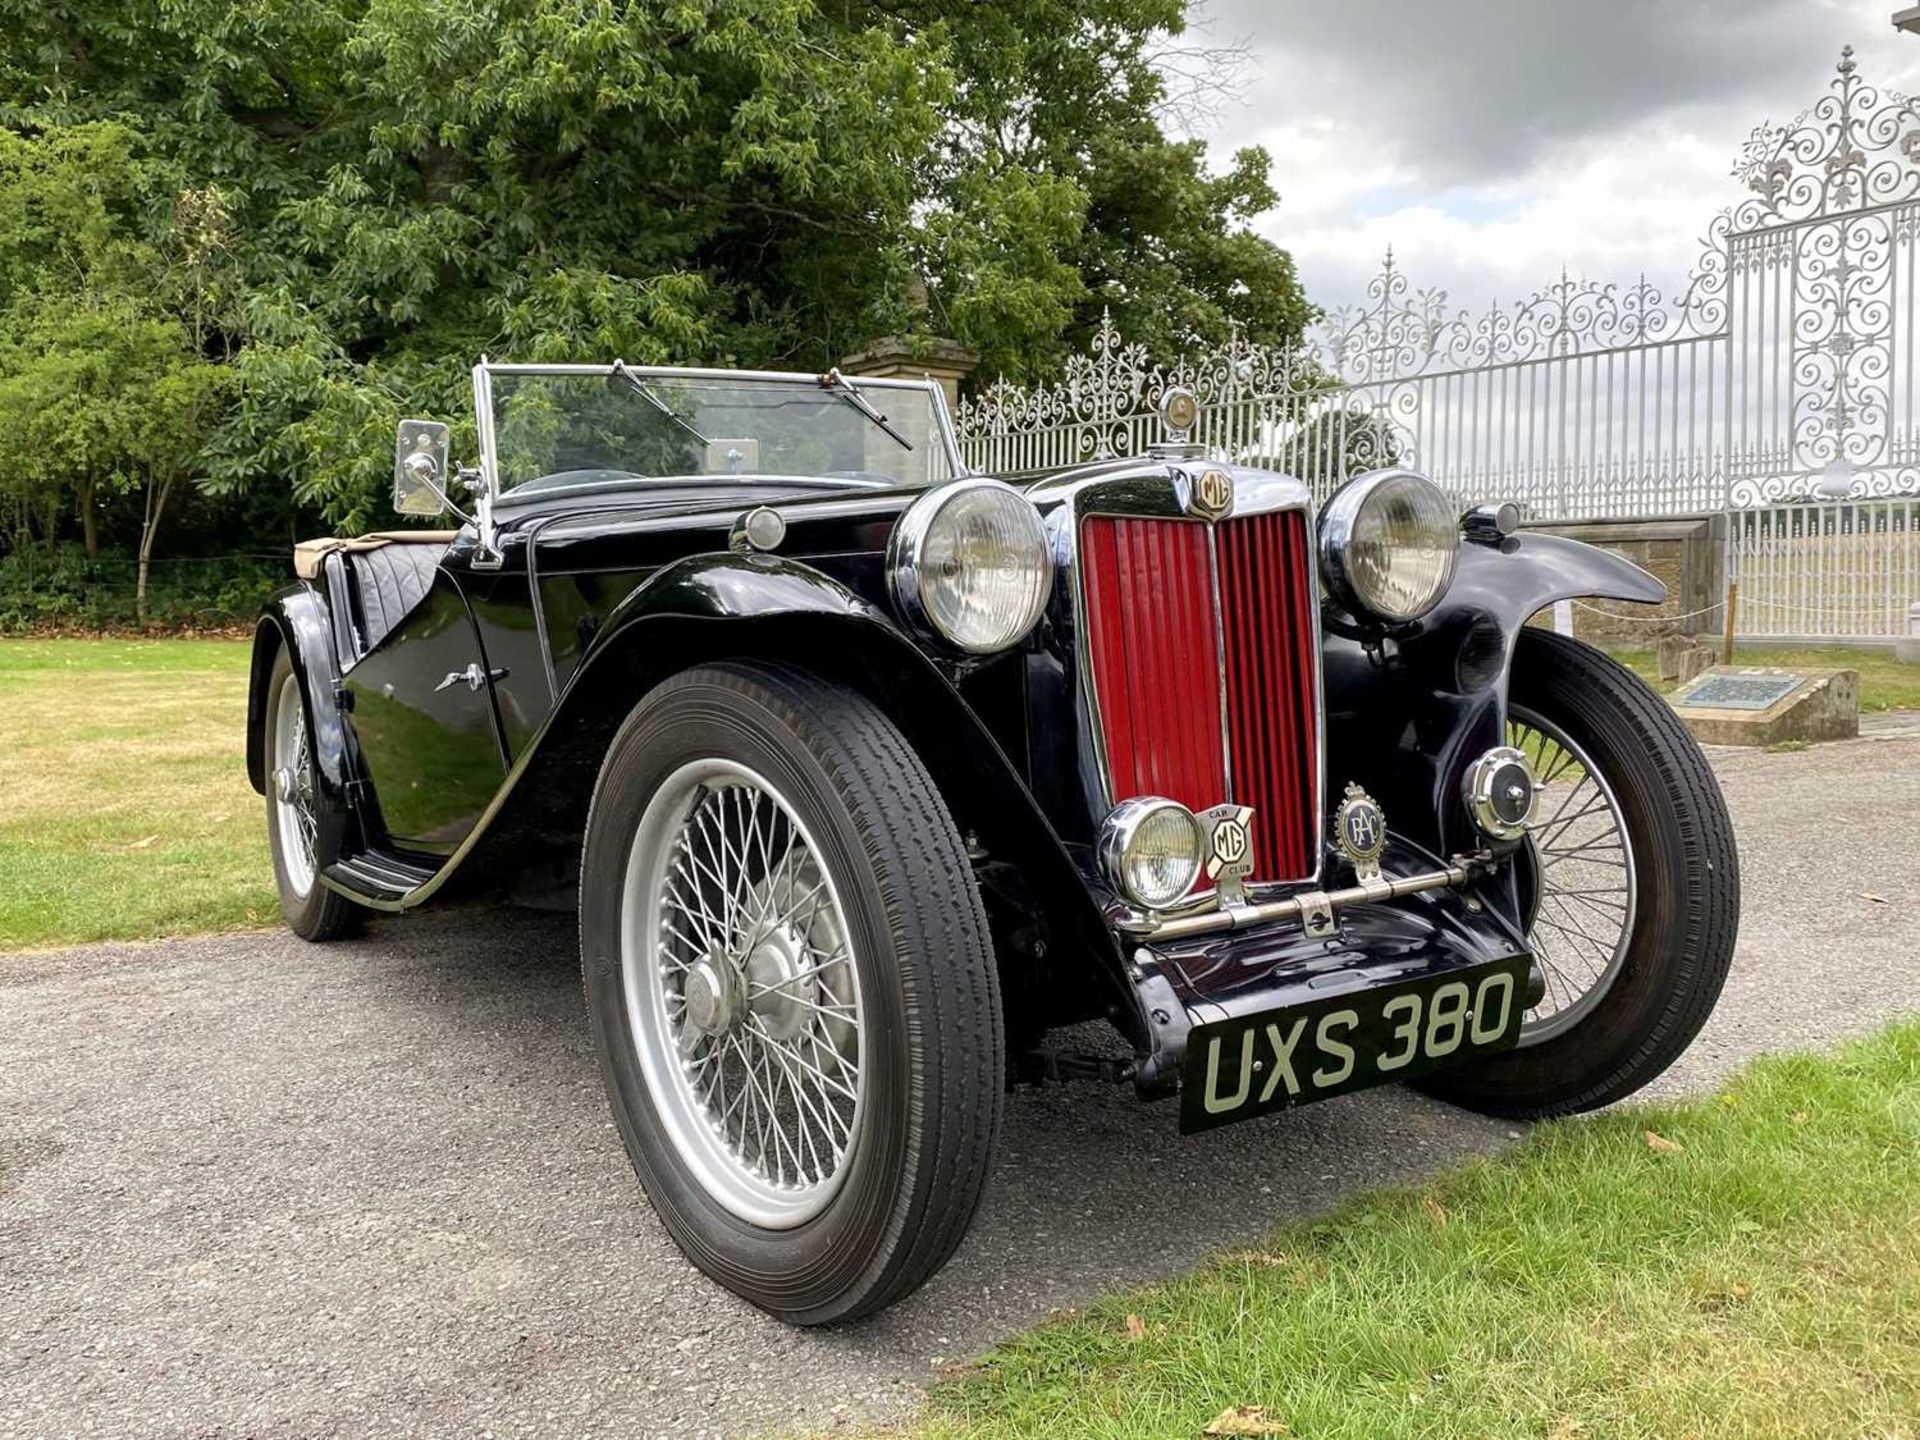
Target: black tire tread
937,897
322,915
928,897
1613,695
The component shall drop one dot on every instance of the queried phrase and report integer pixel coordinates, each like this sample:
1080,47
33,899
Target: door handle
473,677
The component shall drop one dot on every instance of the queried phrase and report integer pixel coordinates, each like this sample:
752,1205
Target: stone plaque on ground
1763,705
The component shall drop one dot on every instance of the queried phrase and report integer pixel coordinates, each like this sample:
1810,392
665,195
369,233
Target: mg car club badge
1228,830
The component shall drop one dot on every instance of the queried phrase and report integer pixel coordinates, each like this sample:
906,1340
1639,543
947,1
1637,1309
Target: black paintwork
596,598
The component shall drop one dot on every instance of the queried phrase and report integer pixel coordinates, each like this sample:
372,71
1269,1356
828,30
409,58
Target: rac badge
1229,837
1212,493
1360,832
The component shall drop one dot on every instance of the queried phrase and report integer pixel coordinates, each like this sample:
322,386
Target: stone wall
1687,553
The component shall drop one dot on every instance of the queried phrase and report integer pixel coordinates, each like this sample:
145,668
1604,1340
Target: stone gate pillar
913,357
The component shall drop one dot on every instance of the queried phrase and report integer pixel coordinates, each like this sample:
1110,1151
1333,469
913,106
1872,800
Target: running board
377,879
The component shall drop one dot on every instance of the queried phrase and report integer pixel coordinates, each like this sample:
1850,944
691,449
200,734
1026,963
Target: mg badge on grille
1360,831
1229,832
1212,493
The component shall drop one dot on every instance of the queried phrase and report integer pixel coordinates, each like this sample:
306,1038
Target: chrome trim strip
1220,655
1463,870
638,485
487,554
694,372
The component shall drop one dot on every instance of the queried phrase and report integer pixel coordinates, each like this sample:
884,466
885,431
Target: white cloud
1492,142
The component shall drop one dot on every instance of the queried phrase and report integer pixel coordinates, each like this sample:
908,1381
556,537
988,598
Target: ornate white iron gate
1779,388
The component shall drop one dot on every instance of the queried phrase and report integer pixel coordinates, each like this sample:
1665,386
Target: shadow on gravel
1093,1189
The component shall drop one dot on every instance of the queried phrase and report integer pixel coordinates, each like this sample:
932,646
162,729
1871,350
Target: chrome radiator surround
1170,491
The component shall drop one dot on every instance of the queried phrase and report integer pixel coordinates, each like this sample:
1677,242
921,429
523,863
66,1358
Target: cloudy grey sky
1492,141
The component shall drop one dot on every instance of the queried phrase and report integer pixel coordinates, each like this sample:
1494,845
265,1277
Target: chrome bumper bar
1314,909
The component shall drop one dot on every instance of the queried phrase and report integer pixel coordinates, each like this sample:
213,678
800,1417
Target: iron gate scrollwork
1782,375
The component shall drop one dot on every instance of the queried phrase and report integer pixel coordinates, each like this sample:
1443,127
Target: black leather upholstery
388,584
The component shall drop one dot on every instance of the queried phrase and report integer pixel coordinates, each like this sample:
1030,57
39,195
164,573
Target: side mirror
420,468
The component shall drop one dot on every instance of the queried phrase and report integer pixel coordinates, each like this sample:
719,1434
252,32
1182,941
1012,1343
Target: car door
421,707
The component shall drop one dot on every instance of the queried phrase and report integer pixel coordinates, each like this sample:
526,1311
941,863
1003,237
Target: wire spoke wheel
1628,885
295,805
1583,877
743,992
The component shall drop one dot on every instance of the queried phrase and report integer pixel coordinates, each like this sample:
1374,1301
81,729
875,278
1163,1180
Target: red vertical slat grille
1153,644
1266,598
1155,641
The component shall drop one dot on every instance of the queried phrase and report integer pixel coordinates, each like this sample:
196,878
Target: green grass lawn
1743,1265
124,805
1885,684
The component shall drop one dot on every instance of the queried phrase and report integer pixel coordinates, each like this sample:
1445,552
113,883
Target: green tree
102,402
107,390
1062,99
344,202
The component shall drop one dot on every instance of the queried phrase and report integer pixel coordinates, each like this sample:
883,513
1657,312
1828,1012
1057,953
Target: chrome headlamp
1388,542
969,564
1150,849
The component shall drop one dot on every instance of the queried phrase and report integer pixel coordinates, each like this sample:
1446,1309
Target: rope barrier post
1733,601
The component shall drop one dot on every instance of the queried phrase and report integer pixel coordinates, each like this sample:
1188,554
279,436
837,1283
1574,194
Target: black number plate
1253,1064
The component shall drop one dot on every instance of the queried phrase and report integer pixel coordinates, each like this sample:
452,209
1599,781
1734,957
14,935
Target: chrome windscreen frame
484,372
1165,491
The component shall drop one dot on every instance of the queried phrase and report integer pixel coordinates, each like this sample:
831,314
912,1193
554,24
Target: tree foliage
331,207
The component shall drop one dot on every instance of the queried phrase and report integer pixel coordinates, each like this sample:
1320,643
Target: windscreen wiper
838,384
646,392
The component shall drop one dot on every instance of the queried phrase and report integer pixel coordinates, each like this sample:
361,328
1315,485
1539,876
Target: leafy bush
63,590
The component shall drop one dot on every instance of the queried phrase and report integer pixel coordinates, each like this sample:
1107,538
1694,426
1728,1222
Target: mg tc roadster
866,772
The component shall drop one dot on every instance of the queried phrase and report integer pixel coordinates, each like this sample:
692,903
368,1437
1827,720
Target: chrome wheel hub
742,993
784,988
712,994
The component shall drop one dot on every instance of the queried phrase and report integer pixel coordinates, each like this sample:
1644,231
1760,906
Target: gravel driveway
252,1187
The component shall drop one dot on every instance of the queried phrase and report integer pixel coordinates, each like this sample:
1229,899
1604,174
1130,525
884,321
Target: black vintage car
865,773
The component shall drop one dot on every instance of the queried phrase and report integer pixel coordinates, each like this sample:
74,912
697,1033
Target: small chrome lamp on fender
1501,792
1150,850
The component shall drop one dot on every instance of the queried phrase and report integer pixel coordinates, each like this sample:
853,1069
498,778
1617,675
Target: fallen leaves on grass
1246,1420
1659,1143
1259,1259
1726,1296
1136,1328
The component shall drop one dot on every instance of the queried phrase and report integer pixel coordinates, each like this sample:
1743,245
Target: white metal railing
1843,571
1780,387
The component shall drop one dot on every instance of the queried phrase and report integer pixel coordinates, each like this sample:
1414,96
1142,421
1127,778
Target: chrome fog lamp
969,563
1500,791
1388,542
1150,850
